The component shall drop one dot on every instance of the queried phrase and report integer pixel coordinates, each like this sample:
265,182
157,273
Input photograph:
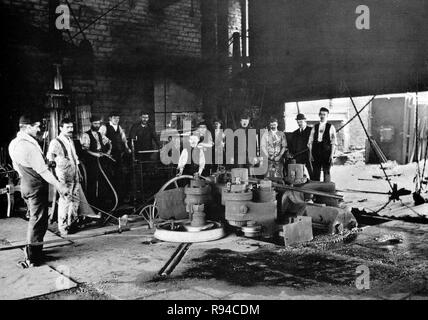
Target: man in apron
28,160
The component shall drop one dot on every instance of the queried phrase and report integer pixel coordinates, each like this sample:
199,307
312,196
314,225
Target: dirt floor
127,265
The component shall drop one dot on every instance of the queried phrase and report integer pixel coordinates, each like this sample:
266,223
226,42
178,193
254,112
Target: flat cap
29,118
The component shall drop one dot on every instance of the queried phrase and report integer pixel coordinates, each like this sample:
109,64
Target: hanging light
58,78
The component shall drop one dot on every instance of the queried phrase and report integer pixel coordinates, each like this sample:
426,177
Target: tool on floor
41,243
122,221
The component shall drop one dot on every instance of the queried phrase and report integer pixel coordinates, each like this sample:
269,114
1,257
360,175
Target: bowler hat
95,118
300,116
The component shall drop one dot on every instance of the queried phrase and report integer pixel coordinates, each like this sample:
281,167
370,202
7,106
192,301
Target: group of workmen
313,147
60,168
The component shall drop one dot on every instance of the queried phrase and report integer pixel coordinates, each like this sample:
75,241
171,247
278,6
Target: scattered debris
390,239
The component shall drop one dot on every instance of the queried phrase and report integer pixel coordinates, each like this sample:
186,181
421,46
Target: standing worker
28,160
145,137
119,146
62,151
322,145
94,145
274,145
299,143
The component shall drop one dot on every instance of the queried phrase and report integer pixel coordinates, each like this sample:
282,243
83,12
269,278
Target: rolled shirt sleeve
103,130
333,135
54,150
85,141
183,159
311,137
284,141
263,144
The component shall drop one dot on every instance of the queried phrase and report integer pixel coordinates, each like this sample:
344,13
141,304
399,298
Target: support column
209,56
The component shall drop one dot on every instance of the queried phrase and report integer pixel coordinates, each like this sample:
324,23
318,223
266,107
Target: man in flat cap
322,144
299,143
94,145
28,160
274,145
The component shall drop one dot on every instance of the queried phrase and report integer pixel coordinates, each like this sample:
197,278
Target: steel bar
303,190
20,246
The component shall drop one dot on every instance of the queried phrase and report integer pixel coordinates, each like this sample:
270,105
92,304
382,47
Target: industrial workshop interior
214,150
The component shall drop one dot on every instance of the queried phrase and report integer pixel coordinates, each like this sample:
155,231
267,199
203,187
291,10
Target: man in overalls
28,160
62,151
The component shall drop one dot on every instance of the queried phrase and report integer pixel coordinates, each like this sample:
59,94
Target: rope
370,141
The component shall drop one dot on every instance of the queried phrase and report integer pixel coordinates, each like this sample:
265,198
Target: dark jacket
298,143
145,137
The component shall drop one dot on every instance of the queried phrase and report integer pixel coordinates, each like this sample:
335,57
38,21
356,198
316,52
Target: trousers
38,206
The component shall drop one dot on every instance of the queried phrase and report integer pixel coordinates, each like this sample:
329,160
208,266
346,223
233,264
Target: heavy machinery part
252,231
163,232
197,190
297,231
238,213
329,187
170,204
265,195
330,219
235,196
241,173
301,189
175,179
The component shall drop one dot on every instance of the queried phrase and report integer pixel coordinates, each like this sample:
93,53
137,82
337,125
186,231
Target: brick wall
128,45
131,47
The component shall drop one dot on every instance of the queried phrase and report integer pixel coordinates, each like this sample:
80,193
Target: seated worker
145,138
186,163
273,146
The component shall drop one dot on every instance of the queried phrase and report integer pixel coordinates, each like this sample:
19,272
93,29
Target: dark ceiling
309,49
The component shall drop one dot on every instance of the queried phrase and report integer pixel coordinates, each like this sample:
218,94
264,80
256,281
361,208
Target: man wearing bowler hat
299,143
95,145
119,147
